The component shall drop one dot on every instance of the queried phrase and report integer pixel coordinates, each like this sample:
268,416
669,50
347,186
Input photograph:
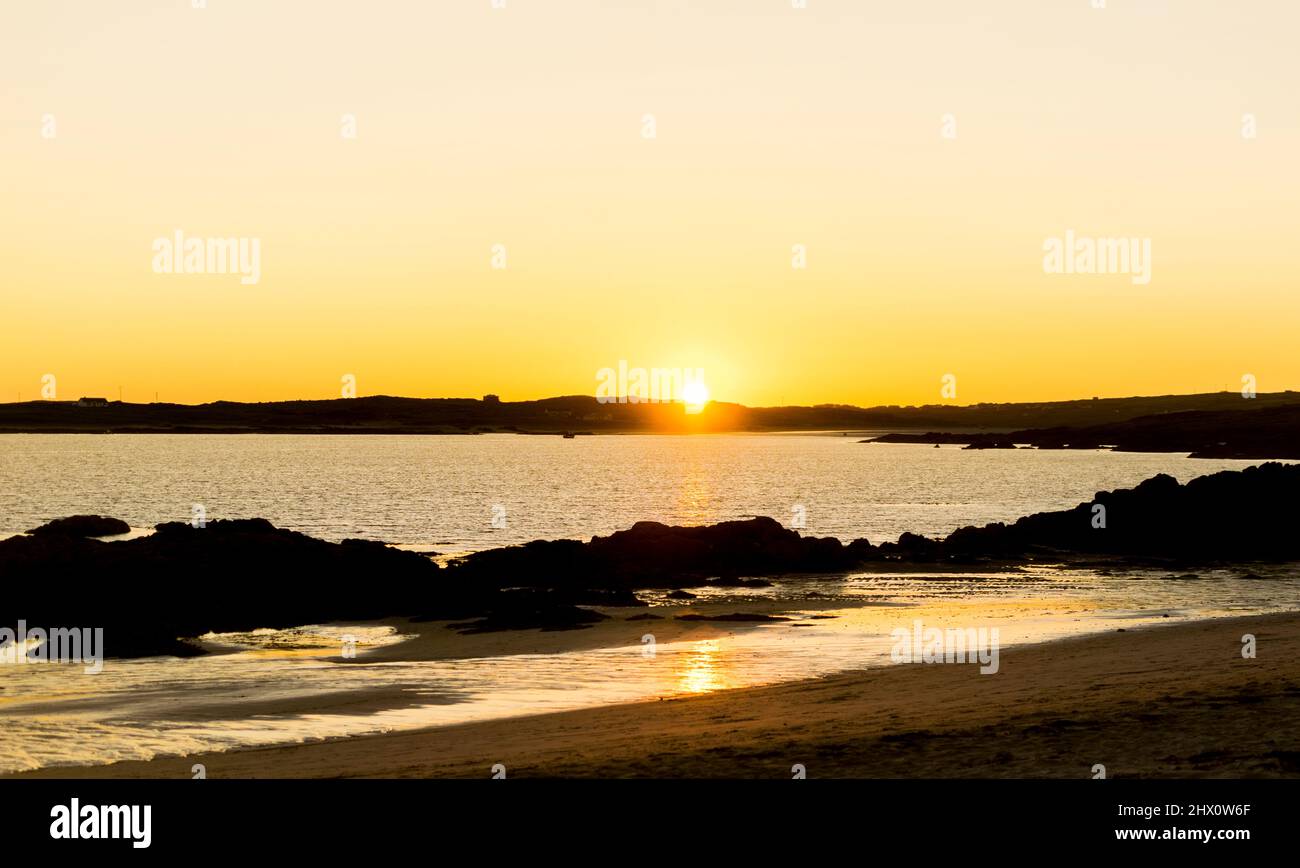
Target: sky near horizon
653,173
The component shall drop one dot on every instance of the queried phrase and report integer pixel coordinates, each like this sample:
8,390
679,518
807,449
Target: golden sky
524,127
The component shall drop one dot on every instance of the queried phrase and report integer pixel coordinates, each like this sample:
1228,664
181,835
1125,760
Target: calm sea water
440,492
444,492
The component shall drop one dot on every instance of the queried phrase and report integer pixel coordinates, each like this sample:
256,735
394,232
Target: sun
695,395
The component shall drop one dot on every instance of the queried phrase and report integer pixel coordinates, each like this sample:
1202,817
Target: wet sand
1168,701
435,640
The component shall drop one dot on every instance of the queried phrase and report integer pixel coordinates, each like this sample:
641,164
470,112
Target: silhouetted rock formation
1245,515
228,576
83,525
654,555
528,610
1248,431
240,575
935,437
991,441
1263,432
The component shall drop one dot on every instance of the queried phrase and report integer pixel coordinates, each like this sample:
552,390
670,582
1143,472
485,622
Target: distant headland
1222,424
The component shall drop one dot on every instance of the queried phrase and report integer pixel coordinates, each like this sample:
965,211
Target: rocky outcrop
1246,431
991,441
230,575
1245,515
82,525
240,575
654,555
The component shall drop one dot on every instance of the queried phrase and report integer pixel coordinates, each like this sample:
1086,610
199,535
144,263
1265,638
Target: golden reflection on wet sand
701,669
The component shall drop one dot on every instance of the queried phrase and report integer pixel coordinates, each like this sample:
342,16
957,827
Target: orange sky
524,126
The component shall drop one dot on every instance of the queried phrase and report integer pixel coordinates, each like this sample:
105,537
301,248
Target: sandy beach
1168,701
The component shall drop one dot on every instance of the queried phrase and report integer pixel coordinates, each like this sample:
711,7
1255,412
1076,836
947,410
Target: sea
451,495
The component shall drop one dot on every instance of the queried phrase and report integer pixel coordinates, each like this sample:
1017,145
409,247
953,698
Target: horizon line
639,401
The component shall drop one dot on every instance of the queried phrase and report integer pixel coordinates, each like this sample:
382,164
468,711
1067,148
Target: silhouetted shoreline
586,415
1248,431
245,574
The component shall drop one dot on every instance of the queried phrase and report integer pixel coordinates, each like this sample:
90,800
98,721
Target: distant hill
1264,432
1250,430
583,414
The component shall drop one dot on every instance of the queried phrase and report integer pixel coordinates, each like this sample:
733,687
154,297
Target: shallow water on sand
281,688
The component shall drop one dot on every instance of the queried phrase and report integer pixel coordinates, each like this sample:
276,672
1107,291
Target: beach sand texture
1169,701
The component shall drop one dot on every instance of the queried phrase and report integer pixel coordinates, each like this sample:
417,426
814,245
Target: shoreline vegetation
250,574
1220,425
1129,700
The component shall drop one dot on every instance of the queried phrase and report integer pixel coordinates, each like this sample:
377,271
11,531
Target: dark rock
228,576
528,612
1245,431
611,597
1232,515
654,555
243,574
935,437
991,441
83,525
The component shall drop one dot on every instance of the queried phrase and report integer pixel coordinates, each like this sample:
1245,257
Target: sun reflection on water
695,499
701,670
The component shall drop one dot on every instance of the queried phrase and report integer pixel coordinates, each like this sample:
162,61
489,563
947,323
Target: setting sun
695,395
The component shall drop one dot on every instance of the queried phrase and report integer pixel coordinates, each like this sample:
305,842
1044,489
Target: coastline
1201,425
1174,700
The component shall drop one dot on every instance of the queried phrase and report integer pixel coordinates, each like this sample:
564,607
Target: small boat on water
569,435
